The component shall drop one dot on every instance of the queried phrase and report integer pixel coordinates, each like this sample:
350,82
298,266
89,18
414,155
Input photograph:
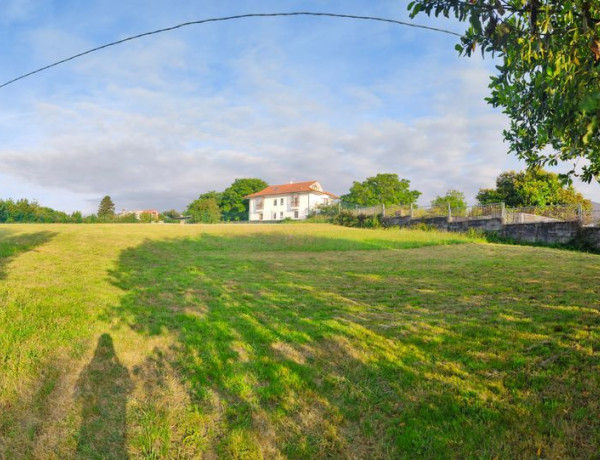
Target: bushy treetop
531,188
383,188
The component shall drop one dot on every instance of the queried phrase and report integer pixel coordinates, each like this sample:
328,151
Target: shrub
349,219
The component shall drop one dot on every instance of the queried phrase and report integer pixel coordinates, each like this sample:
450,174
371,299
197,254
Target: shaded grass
296,341
103,387
427,353
11,245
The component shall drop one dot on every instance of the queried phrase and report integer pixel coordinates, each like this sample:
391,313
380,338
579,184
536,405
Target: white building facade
288,201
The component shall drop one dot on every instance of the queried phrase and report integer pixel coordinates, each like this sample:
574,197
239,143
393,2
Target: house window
259,204
296,214
260,216
281,203
275,202
274,216
281,215
295,201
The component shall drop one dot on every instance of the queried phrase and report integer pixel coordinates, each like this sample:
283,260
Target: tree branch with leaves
548,82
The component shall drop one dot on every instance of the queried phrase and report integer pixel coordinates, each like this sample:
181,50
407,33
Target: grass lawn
294,341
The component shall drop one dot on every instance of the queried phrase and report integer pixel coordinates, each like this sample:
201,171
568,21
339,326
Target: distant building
293,201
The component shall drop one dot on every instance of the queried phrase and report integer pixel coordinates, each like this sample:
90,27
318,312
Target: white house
294,201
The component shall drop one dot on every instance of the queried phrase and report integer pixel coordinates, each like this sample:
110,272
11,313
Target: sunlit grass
298,341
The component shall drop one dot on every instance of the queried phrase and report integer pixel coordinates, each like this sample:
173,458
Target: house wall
273,209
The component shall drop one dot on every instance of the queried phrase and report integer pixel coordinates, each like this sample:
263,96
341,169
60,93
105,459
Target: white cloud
156,122
163,160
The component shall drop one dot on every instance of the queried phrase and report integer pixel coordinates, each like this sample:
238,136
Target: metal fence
552,213
355,209
456,213
530,214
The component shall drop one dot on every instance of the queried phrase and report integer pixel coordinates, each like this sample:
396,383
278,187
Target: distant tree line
24,210
533,187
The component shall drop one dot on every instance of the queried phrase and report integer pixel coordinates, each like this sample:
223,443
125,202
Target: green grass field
294,341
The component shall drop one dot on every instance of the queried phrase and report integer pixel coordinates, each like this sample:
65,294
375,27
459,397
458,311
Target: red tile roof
284,189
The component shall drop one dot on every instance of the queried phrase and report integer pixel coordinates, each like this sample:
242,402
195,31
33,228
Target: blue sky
157,121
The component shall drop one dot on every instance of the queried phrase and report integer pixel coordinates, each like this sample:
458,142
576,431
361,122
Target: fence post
580,214
411,211
382,209
503,213
449,213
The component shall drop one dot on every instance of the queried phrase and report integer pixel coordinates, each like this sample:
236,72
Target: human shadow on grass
102,390
12,245
291,347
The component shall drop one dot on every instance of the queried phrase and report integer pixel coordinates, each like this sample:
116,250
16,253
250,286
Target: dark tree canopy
531,188
106,210
232,202
548,82
385,189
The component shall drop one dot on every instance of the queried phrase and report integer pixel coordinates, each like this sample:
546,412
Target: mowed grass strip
297,341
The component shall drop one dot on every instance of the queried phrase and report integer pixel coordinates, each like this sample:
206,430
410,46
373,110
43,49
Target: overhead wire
228,18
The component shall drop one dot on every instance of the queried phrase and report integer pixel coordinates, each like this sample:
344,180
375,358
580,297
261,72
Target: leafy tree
76,217
548,81
171,214
205,209
146,217
531,188
454,198
232,202
382,188
106,210
24,210
126,218
91,219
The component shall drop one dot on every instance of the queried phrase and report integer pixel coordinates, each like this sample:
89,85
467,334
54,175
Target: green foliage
382,188
548,82
169,216
128,218
534,187
232,203
326,210
351,219
146,217
106,209
423,227
24,210
454,198
205,209
76,217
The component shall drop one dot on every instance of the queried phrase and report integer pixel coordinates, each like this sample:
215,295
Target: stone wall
590,236
493,224
541,232
537,232
454,225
